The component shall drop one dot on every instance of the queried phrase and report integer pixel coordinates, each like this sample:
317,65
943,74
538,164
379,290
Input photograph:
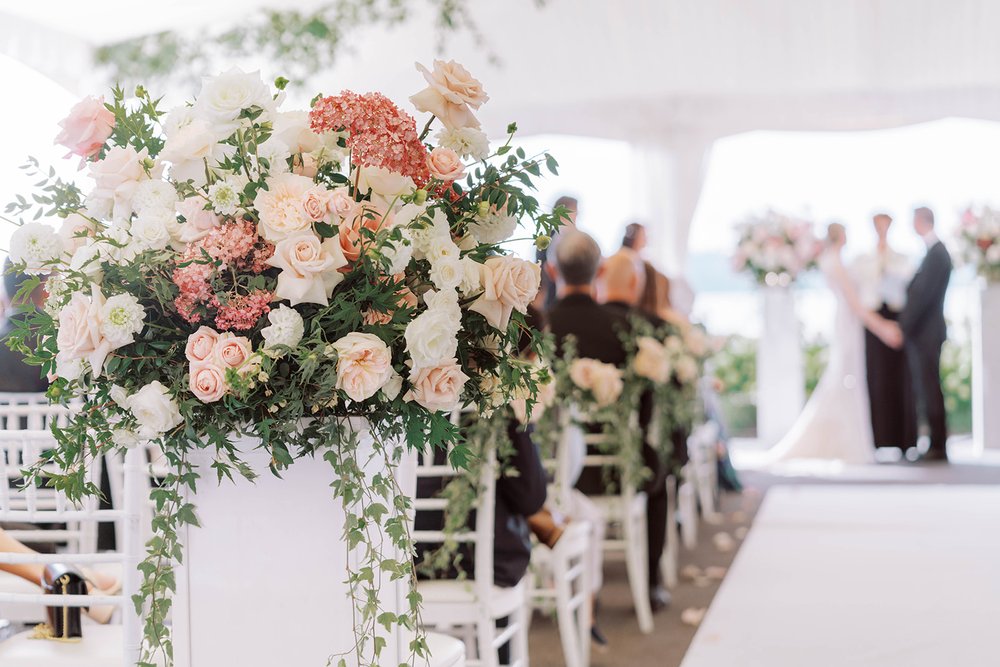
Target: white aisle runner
862,576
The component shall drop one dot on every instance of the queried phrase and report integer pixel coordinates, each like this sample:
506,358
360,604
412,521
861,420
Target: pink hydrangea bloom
381,134
236,244
243,311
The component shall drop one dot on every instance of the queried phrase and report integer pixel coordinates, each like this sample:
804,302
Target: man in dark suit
922,331
15,375
596,329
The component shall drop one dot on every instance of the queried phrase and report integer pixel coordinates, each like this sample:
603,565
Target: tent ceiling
649,68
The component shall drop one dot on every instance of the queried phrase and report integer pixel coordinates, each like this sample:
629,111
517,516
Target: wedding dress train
835,424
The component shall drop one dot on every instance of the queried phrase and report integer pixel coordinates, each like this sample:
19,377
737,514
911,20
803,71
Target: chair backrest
480,534
573,432
32,411
24,504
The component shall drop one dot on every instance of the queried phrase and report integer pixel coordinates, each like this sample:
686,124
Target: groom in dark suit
922,330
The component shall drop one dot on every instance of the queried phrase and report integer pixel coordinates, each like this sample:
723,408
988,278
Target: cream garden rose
509,284
281,207
309,268
154,409
651,360
451,94
364,365
437,388
603,381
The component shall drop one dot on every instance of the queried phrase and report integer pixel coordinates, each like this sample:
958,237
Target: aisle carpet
901,576
667,646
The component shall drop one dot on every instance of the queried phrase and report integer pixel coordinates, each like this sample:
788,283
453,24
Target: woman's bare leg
29,571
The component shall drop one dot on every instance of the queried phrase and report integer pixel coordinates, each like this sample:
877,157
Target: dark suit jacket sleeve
524,492
922,294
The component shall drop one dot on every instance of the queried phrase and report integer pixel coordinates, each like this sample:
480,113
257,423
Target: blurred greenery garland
299,42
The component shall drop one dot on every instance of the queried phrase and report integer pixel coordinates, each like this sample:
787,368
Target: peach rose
309,268
509,284
86,128
364,364
232,351
208,381
364,216
445,165
201,344
451,91
372,317
439,387
603,381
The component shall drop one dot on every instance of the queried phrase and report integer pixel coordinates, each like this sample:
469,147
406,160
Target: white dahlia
122,317
37,246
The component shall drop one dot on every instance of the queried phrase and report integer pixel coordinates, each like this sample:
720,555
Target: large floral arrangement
775,248
979,234
235,268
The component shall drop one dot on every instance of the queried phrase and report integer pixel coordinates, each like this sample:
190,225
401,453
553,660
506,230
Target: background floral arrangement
241,270
979,235
775,248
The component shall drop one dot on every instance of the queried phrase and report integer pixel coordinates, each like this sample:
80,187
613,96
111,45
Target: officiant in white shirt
882,277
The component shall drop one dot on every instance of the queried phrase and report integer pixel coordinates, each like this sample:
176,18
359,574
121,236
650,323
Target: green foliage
300,42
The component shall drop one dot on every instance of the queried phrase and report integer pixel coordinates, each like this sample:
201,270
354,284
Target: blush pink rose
208,381
509,284
439,387
445,165
201,344
232,351
341,203
364,365
197,220
450,92
79,335
86,128
364,216
316,203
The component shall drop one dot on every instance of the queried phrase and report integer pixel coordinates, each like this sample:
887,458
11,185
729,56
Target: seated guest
547,290
15,374
596,329
520,492
97,583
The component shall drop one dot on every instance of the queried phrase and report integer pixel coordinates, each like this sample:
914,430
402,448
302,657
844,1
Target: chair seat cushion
504,601
101,646
445,651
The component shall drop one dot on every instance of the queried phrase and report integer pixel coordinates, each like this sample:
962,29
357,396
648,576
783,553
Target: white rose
445,300
37,245
224,97
393,385
118,175
432,337
154,229
126,438
285,327
447,273
154,409
75,232
69,369
472,280
276,152
398,254
293,129
384,183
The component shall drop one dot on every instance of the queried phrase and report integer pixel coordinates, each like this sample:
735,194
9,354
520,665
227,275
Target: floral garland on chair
242,270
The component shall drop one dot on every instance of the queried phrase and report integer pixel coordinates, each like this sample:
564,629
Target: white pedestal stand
986,370
263,581
780,377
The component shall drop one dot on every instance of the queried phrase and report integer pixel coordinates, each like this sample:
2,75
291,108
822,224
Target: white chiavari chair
472,608
101,646
705,459
562,575
670,561
625,510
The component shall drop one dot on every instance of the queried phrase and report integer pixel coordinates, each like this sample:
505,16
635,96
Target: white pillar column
986,370
780,376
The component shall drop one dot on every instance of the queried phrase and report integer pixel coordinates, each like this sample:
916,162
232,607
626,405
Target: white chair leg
687,506
564,615
636,557
519,642
486,632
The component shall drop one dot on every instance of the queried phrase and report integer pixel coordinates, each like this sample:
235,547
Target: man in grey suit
15,375
922,331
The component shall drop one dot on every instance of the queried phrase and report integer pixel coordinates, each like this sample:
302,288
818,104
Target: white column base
986,370
780,375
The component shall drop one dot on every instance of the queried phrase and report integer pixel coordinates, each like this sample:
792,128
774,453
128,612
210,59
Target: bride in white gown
835,424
